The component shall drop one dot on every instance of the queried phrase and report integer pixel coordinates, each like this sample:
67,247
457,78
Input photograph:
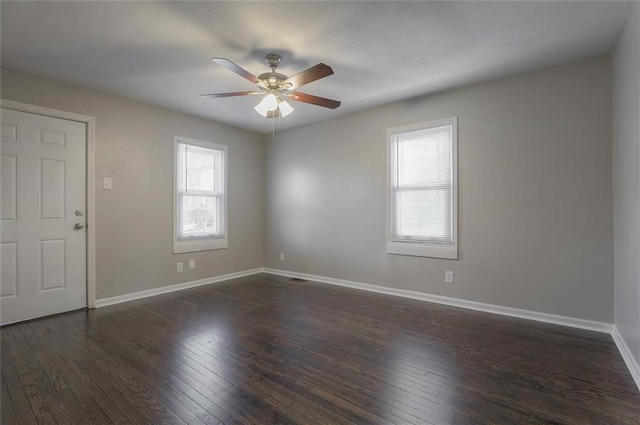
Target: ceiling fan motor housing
273,79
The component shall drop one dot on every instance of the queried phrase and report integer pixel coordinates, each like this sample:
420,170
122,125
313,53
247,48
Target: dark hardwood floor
264,350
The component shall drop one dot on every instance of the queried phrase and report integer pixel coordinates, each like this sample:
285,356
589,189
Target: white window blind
422,194
200,195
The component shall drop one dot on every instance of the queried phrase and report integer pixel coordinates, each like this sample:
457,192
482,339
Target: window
200,196
422,195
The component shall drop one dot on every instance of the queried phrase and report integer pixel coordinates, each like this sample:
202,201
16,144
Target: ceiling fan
277,88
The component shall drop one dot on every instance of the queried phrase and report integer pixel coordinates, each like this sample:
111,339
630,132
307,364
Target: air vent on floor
295,279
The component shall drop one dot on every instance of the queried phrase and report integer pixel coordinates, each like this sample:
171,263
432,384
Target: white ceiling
159,52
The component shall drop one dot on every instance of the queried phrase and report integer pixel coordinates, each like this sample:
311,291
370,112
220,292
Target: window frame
208,242
424,248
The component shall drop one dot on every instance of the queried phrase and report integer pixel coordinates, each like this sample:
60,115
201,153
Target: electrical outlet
448,277
282,256
192,263
180,267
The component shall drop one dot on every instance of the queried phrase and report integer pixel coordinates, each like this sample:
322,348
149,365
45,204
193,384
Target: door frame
90,123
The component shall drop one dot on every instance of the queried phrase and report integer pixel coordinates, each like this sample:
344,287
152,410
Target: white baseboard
631,362
103,302
439,299
625,352
455,302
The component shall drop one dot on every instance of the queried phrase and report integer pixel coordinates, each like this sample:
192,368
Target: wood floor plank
211,382
69,389
155,372
122,386
7,410
262,350
16,390
38,389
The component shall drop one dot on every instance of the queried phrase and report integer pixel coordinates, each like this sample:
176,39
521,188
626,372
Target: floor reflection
420,377
202,353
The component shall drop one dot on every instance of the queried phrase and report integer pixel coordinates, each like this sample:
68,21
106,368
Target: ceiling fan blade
238,70
231,94
315,100
308,75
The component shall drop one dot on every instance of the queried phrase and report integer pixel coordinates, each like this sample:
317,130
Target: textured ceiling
159,52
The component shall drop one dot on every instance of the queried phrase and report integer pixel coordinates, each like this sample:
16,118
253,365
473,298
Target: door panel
9,132
53,260
52,189
43,172
8,187
9,273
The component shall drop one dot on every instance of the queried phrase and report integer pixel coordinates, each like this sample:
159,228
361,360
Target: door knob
78,226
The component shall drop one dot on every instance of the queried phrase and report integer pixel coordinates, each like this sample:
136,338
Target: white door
42,212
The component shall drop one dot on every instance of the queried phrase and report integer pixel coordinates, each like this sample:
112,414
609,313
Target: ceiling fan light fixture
285,108
267,104
275,87
261,111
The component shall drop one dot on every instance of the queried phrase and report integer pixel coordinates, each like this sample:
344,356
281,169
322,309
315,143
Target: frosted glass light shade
285,108
269,103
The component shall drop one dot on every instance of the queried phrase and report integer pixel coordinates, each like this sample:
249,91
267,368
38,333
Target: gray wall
535,192
536,226
626,182
134,146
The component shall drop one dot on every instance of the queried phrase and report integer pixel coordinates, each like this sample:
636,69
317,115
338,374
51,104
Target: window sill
448,252
199,245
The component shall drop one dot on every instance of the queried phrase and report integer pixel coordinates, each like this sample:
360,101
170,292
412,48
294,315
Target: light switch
107,183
